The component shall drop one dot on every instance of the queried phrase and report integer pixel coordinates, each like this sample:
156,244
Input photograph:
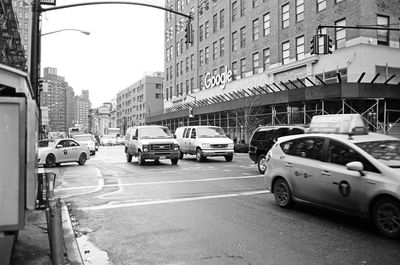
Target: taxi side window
342,154
72,143
64,143
308,148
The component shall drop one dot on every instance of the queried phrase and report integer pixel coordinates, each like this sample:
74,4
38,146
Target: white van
204,141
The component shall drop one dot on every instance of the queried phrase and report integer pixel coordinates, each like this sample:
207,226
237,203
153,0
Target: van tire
199,156
229,158
180,155
141,160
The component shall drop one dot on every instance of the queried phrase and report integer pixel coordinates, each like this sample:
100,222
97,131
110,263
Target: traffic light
314,45
188,32
327,44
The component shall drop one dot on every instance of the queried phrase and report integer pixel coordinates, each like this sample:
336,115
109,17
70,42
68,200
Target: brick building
264,47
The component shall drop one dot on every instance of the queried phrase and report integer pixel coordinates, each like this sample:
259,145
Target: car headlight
230,145
206,145
145,148
176,147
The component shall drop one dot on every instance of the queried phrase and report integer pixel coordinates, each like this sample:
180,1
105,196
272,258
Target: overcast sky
125,43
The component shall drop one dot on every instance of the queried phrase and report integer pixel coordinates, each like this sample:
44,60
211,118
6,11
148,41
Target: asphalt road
214,212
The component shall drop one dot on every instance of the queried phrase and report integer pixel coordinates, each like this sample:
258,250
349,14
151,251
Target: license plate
163,157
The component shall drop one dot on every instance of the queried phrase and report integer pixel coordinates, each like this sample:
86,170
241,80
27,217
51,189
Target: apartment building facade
244,44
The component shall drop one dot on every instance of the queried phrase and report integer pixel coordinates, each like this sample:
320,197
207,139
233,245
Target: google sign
216,80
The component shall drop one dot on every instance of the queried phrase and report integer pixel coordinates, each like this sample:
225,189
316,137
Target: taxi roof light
352,124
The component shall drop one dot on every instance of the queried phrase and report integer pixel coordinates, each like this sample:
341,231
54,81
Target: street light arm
81,31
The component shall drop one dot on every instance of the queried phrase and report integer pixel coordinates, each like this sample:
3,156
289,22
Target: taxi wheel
180,155
82,159
141,160
283,195
174,161
386,216
261,163
50,161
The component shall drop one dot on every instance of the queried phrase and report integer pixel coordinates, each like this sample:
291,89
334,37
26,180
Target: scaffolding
239,113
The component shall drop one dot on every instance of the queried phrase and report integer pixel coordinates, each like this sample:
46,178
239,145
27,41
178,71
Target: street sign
48,2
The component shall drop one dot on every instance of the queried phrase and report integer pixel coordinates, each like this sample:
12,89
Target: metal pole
56,232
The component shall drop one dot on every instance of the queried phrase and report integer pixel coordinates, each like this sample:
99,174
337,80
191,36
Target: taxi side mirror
356,166
174,136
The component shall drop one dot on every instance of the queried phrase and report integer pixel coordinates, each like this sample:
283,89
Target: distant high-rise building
82,107
54,97
142,99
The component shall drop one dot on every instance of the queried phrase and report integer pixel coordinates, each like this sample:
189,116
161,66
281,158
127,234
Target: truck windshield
83,138
210,132
154,132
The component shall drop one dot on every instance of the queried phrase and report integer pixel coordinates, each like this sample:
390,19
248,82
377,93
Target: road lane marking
134,204
162,182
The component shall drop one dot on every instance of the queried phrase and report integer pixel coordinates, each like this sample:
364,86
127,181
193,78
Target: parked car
264,138
108,139
53,152
87,140
340,166
204,141
151,142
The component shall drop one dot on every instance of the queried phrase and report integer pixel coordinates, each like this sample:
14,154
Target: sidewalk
32,246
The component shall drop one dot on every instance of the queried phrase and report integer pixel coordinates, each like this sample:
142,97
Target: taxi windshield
388,151
46,143
210,132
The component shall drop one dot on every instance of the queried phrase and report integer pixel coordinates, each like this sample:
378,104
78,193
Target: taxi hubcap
282,193
389,218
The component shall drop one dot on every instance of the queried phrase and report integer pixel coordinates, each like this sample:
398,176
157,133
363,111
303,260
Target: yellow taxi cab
339,165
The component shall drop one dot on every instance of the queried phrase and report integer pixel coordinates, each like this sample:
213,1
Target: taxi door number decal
65,152
344,188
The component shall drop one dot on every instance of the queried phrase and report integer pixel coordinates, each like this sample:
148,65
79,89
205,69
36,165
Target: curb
71,246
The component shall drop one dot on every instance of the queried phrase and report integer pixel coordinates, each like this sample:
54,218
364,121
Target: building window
256,62
321,5
242,67
187,64
187,87
243,37
383,35
256,3
256,30
221,19
177,69
234,41
285,52
191,61
299,10
215,23
192,85
206,55
340,34
266,58
178,48
300,48
215,72
171,70
234,11
201,82
215,50
181,67
285,15
206,30
201,57
221,47
234,70
266,24
201,33
242,8
221,69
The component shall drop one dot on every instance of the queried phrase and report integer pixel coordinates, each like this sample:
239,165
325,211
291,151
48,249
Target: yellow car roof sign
338,123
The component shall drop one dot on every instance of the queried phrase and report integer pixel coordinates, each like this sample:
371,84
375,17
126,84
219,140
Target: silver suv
151,142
